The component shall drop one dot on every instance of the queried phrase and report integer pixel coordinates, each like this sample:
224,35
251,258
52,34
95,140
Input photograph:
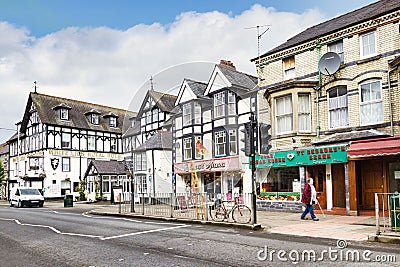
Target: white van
26,196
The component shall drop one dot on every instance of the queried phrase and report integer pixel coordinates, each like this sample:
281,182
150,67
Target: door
372,176
317,172
339,187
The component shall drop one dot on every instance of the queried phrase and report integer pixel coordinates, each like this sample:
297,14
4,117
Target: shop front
222,177
288,170
374,167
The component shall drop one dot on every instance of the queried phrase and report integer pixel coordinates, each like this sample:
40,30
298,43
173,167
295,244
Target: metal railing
180,205
387,212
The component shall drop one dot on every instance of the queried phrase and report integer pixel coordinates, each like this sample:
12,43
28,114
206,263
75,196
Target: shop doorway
372,176
394,177
317,172
338,184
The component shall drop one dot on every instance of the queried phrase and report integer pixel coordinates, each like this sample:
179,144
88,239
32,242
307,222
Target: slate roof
198,88
355,17
4,148
104,167
239,79
350,136
165,102
45,105
159,141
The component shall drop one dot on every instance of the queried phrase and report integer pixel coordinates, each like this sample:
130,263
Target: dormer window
62,111
95,119
112,119
93,116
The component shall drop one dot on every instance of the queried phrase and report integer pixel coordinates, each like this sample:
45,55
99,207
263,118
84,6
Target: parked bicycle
220,211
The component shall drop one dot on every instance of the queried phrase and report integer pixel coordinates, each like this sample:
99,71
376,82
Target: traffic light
265,138
246,140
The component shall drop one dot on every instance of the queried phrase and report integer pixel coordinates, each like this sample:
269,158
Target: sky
105,51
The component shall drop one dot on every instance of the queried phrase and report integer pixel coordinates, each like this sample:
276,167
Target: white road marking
145,232
83,235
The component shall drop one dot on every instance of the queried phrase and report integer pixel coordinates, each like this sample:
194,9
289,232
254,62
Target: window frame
374,43
305,113
337,47
89,147
187,148
94,119
112,121
219,100
371,102
233,133
140,161
65,164
187,114
289,68
64,114
284,115
63,141
217,135
113,144
331,109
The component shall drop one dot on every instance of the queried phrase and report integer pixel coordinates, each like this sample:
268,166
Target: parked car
26,196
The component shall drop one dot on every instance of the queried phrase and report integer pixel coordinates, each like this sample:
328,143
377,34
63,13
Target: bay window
284,114
304,113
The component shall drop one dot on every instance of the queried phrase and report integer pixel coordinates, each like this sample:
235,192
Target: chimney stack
227,63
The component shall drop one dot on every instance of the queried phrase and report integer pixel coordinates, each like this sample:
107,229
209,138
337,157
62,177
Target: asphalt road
68,237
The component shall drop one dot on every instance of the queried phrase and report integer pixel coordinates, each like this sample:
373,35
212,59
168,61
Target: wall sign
303,157
213,165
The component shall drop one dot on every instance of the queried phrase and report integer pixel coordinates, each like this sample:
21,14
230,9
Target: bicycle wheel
217,213
241,214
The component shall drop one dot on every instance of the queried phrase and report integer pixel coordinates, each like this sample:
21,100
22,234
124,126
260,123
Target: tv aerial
329,63
259,35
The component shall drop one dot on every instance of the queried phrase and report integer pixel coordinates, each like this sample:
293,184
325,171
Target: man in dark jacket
309,198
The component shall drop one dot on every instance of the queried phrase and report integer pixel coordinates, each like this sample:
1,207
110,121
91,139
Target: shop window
338,109
284,114
304,113
371,106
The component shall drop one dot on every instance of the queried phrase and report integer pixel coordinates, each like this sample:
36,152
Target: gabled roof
77,109
104,167
165,102
197,89
234,79
358,16
159,141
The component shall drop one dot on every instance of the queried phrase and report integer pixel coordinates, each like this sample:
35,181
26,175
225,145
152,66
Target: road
69,237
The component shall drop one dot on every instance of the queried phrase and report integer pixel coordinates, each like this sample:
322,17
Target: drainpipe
318,46
390,102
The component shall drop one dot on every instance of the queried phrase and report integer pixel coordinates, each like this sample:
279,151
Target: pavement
337,227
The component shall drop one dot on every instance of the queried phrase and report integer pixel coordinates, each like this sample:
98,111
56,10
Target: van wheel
11,204
19,205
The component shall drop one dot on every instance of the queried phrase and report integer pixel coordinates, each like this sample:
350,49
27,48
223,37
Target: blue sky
105,52
45,16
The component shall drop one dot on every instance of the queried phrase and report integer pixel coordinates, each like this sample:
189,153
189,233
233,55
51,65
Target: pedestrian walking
309,198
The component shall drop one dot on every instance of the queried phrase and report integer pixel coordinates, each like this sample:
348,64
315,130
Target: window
106,184
199,147
95,119
142,183
219,104
140,161
232,142
65,140
288,67
64,114
197,113
113,145
371,108
337,47
91,142
113,122
368,44
155,115
187,114
304,113
284,114
66,162
337,106
148,116
220,143
231,103
187,148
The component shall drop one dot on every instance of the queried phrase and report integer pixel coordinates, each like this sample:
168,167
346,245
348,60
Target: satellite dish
329,63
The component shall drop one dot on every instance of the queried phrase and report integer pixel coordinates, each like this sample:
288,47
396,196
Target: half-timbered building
56,140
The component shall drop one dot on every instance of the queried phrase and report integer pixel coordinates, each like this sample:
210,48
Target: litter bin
395,212
68,201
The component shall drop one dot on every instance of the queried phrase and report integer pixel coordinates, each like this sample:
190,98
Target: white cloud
106,66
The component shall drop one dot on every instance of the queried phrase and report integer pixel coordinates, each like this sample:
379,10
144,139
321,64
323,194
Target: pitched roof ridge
80,101
231,69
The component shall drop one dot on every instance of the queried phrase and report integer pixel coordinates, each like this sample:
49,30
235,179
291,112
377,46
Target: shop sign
302,157
212,165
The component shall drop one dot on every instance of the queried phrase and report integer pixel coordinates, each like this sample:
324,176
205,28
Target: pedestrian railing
179,205
387,213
